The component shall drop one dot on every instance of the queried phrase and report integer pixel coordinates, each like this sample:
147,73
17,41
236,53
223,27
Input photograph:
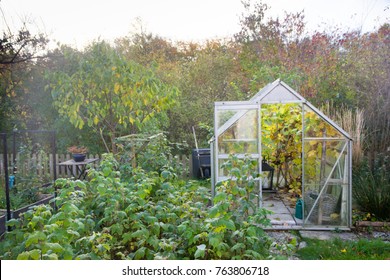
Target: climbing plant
282,143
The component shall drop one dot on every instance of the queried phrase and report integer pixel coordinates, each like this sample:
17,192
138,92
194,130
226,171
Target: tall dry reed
352,121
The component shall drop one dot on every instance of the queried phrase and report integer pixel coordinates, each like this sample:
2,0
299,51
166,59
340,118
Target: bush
148,215
371,187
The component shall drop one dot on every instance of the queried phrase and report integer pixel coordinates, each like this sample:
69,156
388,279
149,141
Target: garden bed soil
44,199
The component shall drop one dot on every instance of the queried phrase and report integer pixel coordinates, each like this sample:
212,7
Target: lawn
337,249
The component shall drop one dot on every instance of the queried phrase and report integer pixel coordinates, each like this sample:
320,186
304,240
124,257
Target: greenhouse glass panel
317,127
326,174
240,135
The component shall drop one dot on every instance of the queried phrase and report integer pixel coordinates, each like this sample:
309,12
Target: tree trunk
113,145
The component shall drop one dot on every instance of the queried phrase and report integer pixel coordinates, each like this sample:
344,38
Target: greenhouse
297,150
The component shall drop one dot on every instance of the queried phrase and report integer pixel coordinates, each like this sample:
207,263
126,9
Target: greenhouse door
237,132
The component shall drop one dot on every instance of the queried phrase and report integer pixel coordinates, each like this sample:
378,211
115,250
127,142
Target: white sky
78,22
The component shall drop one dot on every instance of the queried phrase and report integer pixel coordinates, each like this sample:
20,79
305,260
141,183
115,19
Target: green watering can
299,209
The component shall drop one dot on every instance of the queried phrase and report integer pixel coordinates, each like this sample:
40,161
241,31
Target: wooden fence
42,165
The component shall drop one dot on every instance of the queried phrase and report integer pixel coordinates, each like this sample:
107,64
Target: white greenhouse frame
337,183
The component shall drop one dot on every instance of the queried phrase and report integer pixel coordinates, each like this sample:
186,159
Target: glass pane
317,127
223,116
326,182
280,94
320,156
224,172
329,208
239,133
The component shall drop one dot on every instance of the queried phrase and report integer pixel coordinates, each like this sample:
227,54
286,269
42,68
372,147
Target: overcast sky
78,22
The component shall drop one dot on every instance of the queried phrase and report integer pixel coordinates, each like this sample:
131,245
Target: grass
338,249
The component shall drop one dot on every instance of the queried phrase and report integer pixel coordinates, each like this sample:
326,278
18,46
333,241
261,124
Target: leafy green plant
235,223
371,187
29,178
150,152
43,234
142,215
132,94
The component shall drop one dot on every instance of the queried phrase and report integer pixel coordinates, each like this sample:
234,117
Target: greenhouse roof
277,92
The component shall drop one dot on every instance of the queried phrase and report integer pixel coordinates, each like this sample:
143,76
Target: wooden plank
372,224
51,165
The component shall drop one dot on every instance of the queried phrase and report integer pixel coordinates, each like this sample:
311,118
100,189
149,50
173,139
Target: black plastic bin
201,161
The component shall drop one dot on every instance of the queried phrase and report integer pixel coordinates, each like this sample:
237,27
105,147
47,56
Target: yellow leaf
116,88
131,120
95,120
220,228
343,250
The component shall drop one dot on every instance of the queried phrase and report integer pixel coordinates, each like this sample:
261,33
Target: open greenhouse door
237,133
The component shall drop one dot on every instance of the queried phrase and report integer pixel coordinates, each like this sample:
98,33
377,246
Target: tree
17,53
110,94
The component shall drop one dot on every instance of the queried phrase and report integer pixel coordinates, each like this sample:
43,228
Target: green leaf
154,242
215,211
200,251
235,172
34,238
126,237
35,220
221,196
166,174
13,222
238,247
35,254
117,228
55,247
229,224
51,256
215,241
23,256
140,233
73,232
107,171
80,184
102,189
140,253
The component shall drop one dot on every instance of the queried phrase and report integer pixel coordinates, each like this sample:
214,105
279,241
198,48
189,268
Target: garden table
78,166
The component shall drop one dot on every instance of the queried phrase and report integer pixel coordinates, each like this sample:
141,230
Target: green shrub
235,223
371,187
143,215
